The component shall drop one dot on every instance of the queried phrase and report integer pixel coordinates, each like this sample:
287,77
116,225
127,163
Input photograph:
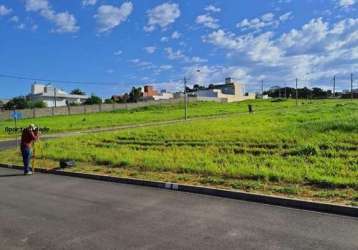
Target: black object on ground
251,108
67,163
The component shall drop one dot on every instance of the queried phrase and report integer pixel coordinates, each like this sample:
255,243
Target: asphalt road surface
7,144
56,212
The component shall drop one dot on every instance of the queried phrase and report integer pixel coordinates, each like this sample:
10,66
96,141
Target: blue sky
159,42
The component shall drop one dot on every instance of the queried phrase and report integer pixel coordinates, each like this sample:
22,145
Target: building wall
149,91
83,109
232,92
163,96
37,89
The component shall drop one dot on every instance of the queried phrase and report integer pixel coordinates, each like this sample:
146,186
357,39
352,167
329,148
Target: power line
56,81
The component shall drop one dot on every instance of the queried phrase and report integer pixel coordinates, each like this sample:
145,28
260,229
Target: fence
84,109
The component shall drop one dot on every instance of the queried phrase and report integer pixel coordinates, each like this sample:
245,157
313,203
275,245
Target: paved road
7,144
56,212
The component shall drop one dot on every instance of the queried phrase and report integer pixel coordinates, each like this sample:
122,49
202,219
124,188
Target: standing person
28,137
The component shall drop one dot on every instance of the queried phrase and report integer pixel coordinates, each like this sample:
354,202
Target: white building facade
228,92
54,97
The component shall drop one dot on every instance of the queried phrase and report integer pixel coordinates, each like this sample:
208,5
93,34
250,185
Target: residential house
228,92
54,97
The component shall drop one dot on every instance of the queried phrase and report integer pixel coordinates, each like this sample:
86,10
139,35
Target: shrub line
237,195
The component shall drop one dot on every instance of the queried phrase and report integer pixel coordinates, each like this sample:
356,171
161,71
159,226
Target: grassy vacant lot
309,151
140,115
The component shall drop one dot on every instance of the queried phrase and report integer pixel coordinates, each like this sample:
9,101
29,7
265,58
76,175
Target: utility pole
262,88
352,86
296,92
54,95
334,86
185,99
15,120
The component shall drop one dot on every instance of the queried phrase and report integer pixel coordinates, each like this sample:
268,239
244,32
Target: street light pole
352,87
334,86
296,92
55,97
185,99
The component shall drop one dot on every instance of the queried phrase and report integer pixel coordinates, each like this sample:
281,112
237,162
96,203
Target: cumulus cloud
179,55
207,74
318,47
266,20
118,53
108,16
142,64
207,21
64,21
212,8
164,39
4,10
150,49
346,3
89,2
175,35
14,19
174,55
162,16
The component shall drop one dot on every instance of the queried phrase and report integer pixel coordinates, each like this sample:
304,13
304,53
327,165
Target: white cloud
175,35
162,68
162,15
205,74
150,49
4,10
14,19
302,40
266,20
89,2
18,25
318,48
142,64
256,48
212,8
36,5
196,59
207,21
179,55
108,16
166,67
174,55
64,21
346,3
285,17
118,53
164,39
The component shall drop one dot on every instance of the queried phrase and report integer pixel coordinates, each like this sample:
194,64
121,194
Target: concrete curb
238,195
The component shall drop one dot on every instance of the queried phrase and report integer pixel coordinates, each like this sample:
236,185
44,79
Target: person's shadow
10,175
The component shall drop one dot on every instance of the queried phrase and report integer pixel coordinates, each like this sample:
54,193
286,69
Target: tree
211,86
93,100
135,95
19,102
36,104
77,92
109,101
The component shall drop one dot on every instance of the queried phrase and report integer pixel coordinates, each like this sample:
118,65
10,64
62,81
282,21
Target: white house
228,92
54,97
163,96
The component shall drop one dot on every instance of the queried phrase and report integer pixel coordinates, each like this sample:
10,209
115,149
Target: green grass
310,150
140,115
